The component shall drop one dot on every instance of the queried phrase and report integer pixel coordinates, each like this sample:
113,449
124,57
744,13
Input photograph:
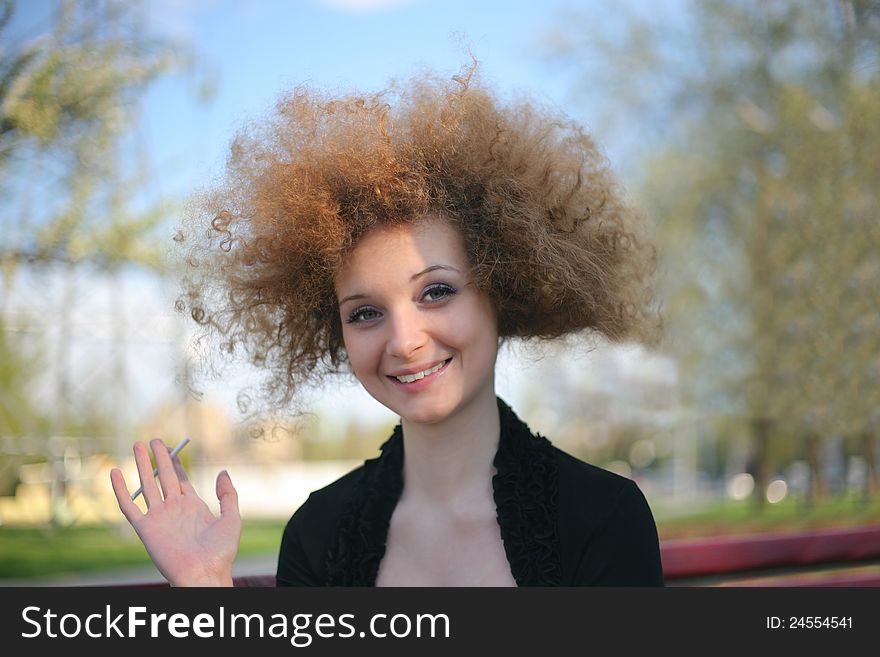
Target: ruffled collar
525,489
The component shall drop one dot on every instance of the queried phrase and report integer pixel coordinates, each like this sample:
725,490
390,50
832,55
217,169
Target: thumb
227,495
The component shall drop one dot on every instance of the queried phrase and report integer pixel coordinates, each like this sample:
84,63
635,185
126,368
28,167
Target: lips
417,378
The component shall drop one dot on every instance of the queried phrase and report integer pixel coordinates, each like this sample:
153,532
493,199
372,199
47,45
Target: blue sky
256,50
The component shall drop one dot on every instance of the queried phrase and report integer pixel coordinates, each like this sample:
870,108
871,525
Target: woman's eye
362,315
438,292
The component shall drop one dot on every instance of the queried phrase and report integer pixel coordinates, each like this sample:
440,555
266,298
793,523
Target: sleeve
625,549
294,566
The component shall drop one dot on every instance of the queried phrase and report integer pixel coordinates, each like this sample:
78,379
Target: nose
406,333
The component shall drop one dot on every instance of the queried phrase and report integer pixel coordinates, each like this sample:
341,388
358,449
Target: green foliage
19,416
18,369
68,100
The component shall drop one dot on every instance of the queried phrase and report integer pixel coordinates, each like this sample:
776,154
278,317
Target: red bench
834,557
839,557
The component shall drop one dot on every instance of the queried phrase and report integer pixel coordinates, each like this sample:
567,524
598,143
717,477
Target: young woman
402,237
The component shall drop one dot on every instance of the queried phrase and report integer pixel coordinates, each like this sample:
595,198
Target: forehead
391,253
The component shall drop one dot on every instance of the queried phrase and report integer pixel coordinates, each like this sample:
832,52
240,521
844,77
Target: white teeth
409,378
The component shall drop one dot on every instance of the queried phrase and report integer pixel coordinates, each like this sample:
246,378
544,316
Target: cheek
488,335
361,353
480,323
476,332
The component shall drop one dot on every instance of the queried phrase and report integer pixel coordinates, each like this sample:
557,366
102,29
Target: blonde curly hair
547,233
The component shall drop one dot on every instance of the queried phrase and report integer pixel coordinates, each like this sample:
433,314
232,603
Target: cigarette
174,452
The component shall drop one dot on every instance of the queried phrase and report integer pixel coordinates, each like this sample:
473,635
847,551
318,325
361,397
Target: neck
452,460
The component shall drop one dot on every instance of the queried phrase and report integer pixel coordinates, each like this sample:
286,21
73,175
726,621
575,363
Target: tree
70,174
762,173
68,98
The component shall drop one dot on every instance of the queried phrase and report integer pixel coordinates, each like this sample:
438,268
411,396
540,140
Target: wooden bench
840,557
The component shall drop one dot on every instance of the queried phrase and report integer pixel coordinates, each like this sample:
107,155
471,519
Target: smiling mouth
410,378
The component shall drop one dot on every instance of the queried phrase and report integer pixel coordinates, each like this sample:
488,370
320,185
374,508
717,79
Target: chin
422,411
427,416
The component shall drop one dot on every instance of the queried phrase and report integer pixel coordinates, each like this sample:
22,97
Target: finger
129,509
227,495
145,472
167,475
186,486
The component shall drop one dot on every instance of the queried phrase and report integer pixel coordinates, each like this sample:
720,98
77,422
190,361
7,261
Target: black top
564,522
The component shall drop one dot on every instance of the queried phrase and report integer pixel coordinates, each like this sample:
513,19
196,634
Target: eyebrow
427,270
433,268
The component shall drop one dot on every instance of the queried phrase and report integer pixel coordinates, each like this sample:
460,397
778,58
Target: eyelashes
360,315
447,291
435,293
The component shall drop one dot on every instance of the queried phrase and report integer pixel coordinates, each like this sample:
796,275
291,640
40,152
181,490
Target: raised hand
188,543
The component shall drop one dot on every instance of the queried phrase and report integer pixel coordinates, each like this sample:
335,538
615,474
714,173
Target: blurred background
747,132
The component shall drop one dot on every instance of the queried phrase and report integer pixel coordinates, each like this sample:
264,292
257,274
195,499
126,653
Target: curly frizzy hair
547,234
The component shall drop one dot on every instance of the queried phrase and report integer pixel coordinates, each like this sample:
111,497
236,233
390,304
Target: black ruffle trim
359,545
525,489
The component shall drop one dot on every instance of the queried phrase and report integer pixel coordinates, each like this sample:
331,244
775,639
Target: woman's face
420,337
